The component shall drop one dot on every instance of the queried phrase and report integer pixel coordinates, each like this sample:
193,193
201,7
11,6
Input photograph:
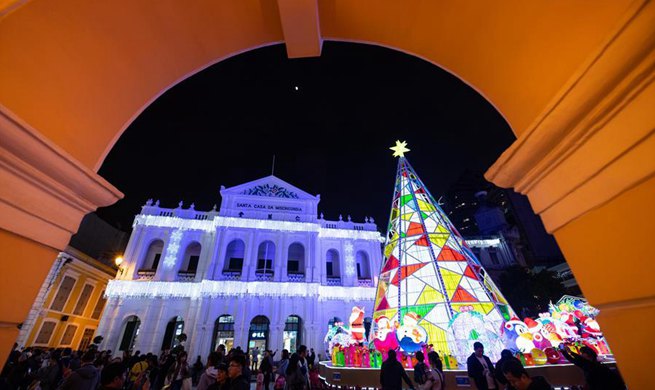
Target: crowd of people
54,369
507,374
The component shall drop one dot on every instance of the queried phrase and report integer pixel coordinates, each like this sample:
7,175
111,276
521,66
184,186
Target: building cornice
234,289
590,145
211,225
44,191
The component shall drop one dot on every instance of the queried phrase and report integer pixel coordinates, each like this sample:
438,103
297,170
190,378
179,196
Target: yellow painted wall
87,274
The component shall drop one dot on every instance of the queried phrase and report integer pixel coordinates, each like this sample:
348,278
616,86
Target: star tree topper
400,149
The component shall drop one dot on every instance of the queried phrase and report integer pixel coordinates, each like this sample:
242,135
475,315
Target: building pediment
268,187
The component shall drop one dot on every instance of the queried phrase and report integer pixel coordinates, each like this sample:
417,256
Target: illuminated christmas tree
431,284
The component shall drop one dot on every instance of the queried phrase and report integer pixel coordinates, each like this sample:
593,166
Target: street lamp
118,261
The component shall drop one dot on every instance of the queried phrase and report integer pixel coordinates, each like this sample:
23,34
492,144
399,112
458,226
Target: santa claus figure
357,330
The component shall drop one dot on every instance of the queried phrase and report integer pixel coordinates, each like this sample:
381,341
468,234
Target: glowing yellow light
400,149
118,261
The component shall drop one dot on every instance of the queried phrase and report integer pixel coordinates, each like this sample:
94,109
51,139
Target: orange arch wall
574,81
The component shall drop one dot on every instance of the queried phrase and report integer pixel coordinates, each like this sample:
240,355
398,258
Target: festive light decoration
349,259
210,225
430,276
216,288
172,248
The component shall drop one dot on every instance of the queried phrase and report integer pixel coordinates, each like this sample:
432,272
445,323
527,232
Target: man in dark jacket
392,374
113,376
505,356
238,381
480,368
596,374
84,378
519,379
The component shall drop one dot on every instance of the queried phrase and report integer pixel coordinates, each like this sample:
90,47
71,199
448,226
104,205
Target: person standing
304,367
480,368
311,358
112,376
505,356
210,374
238,381
392,373
222,380
596,374
179,372
266,369
84,378
519,379
254,358
295,379
436,379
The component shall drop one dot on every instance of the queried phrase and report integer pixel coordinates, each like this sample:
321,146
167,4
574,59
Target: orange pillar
588,167
44,193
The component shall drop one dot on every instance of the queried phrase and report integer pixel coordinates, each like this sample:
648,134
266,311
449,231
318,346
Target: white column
216,262
281,258
250,261
156,328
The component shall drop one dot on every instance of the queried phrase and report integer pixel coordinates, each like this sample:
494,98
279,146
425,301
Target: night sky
331,136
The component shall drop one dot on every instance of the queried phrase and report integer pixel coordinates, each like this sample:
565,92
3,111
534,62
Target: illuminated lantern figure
512,330
524,343
552,355
385,338
341,361
529,361
521,356
366,358
411,336
539,357
540,341
335,352
357,330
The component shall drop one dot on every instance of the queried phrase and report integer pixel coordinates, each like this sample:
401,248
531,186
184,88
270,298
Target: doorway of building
174,328
223,332
258,336
130,333
292,333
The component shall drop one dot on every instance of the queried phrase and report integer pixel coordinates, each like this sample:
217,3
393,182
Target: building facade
69,305
262,271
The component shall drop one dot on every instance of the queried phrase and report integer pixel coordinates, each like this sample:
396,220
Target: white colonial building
263,271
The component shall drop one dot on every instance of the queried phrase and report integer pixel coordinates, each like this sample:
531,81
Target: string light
210,225
226,288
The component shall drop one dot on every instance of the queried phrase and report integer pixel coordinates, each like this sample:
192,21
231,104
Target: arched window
292,333
223,332
191,258
296,261
258,334
130,333
363,265
234,256
153,255
332,269
265,258
174,328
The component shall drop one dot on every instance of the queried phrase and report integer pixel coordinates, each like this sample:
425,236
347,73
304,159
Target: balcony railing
296,277
231,275
263,276
186,276
333,281
365,283
145,274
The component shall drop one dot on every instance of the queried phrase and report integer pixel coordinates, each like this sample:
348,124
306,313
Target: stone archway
574,82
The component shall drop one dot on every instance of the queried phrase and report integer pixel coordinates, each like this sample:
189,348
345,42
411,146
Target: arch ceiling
80,72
